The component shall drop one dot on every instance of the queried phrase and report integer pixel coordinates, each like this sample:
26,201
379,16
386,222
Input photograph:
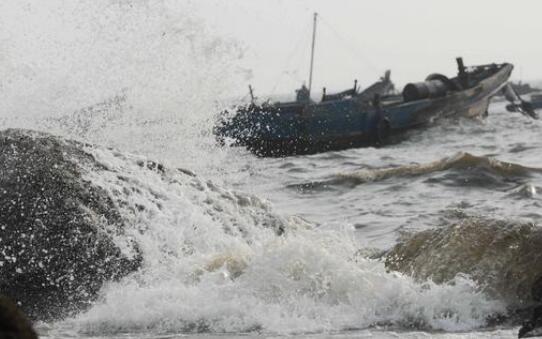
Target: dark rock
56,229
13,323
533,326
503,257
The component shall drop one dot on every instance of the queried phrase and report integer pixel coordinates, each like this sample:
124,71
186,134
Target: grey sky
360,39
61,55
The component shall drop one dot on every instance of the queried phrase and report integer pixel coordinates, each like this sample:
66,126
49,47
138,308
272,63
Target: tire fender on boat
452,86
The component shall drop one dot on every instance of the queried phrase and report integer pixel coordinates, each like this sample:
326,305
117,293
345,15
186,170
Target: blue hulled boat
361,118
354,118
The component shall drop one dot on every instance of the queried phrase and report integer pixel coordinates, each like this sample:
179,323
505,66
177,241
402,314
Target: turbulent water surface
213,264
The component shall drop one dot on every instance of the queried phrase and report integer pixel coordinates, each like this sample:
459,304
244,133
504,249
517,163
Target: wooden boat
354,118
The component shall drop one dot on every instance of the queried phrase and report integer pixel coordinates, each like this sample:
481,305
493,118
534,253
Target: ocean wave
304,282
214,260
217,261
462,169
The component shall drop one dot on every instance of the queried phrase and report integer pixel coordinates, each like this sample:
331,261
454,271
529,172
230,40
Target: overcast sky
360,39
60,55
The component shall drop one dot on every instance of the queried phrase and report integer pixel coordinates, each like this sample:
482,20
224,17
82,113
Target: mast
312,51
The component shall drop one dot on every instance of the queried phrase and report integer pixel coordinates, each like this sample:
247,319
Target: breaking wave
220,261
143,76
462,169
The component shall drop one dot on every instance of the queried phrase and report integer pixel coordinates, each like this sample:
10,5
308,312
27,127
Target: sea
136,80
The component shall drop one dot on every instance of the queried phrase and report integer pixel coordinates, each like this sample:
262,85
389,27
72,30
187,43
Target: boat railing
481,68
340,95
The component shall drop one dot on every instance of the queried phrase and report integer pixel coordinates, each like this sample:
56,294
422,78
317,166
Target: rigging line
290,59
288,62
350,47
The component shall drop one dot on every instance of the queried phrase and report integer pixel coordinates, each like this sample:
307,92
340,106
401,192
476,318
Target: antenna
312,51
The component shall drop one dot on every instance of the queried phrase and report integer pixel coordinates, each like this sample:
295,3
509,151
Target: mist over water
147,78
171,73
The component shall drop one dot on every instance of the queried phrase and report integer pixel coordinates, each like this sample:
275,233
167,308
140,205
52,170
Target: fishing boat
355,118
517,104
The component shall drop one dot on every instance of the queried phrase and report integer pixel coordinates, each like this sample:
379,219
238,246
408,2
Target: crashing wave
205,258
75,216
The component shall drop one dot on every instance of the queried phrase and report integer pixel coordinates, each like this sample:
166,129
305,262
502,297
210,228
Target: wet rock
57,230
503,257
13,323
533,326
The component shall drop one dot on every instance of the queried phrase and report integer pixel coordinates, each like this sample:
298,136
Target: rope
346,42
356,53
288,61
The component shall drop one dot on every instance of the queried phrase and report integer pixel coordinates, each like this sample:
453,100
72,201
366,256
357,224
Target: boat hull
306,129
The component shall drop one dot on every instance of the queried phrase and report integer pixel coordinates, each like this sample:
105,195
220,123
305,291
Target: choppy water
483,167
213,266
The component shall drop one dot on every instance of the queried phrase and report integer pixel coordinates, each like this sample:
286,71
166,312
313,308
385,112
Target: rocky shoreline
56,248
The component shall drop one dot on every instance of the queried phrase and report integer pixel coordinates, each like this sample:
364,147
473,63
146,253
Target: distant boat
517,104
354,118
536,101
523,88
